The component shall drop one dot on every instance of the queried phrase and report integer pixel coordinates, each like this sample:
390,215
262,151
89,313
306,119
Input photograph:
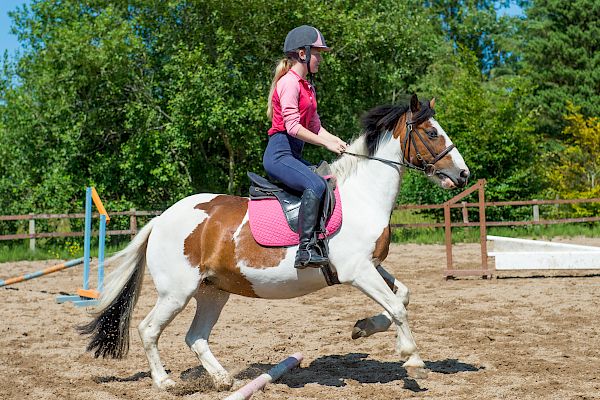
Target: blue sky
8,41
512,11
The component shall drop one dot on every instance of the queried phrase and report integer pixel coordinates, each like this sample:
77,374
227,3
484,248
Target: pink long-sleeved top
294,105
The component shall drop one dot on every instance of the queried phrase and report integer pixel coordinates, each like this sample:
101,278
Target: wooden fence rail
465,214
33,235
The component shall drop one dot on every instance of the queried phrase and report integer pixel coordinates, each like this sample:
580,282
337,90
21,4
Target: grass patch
68,251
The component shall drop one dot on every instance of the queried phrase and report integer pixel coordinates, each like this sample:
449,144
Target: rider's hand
341,142
336,145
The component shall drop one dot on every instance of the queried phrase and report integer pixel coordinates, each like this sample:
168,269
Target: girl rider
292,107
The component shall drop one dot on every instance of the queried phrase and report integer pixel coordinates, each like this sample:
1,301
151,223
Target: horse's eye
432,133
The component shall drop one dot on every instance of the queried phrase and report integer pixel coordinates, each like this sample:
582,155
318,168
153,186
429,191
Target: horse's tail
112,315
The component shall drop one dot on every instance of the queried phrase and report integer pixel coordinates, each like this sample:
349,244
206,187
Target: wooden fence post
465,212
536,212
448,235
132,222
483,227
31,232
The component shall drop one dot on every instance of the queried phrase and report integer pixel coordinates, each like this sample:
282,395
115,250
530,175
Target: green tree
152,101
490,126
82,100
575,169
477,26
562,56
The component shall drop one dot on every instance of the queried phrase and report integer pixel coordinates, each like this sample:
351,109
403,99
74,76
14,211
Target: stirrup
318,262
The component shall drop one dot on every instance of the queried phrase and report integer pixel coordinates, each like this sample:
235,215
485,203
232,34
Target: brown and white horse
202,247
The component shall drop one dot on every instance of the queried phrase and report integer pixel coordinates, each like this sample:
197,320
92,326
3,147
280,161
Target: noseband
428,167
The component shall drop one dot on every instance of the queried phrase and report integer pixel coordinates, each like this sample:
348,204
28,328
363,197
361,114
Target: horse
202,247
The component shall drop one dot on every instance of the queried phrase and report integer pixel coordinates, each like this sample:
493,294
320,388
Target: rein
391,163
428,167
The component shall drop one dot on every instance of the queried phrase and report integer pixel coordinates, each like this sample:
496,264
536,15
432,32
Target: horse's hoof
165,384
223,382
358,333
361,327
416,372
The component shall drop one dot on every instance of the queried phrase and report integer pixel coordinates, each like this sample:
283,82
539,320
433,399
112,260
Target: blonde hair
281,69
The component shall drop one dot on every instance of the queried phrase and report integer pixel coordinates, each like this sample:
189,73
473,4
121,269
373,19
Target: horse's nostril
464,173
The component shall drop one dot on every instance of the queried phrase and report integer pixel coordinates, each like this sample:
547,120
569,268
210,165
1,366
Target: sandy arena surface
507,338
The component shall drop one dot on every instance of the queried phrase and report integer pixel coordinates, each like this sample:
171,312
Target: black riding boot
308,216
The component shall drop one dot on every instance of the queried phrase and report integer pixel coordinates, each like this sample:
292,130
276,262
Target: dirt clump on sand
511,337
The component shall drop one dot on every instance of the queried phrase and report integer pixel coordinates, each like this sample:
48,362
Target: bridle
428,167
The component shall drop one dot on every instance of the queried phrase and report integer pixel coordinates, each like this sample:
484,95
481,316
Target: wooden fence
453,203
32,235
484,223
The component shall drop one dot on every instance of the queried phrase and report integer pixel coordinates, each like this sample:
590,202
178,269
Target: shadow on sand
331,370
334,370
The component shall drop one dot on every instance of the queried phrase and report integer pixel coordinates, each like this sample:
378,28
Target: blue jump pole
101,241
87,238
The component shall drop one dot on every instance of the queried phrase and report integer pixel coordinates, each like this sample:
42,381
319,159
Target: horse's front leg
381,322
370,282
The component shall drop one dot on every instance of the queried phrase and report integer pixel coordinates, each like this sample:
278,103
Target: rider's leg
299,177
309,253
280,163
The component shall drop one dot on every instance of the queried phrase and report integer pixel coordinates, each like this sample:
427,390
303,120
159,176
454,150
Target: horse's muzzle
463,178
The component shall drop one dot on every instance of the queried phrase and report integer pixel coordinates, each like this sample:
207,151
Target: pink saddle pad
270,228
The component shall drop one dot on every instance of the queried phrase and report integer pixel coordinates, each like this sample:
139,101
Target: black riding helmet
304,37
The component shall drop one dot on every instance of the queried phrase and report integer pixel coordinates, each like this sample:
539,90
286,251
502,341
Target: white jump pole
274,373
524,254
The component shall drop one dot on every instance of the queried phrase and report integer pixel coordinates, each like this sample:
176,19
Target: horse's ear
432,103
415,106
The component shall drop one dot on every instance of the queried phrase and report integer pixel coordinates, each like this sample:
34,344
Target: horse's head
425,146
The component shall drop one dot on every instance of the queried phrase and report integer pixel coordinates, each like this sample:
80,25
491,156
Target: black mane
384,118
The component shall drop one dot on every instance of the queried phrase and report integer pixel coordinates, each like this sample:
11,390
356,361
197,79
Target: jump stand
274,373
86,296
524,254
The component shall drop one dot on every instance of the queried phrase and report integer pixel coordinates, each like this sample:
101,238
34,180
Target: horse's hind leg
373,285
166,308
209,303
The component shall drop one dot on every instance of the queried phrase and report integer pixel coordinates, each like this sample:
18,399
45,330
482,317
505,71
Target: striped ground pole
274,373
45,271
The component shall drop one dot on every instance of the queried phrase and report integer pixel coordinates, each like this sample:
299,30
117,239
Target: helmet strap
307,52
295,56
310,74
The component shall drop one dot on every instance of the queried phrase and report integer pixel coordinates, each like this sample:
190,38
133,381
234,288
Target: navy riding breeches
283,161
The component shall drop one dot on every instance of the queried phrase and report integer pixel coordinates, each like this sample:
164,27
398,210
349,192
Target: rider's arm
328,136
289,92
325,141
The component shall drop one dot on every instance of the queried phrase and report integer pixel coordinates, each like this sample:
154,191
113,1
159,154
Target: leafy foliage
489,125
575,171
562,58
477,26
152,101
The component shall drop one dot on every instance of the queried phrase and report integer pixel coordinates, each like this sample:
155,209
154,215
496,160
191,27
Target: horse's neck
375,184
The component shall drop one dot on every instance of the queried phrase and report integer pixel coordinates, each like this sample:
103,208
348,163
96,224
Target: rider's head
304,45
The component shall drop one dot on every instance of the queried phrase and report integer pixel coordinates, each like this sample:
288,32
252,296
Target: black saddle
289,199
